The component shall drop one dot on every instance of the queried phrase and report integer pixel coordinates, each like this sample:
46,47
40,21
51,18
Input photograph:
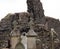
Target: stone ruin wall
21,20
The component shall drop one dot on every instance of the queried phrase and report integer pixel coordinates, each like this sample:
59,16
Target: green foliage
19,46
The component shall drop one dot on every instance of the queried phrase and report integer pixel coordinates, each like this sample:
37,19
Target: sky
51,7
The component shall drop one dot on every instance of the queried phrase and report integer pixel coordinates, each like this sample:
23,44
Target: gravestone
15,35
31,39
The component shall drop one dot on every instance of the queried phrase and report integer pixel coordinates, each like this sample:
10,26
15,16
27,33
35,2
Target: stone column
31,39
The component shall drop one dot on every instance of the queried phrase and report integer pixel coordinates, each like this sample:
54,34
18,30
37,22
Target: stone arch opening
19,46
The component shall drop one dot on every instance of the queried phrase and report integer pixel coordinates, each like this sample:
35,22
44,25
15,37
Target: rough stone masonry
34,17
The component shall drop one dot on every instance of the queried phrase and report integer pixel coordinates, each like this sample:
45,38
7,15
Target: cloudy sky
51,7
